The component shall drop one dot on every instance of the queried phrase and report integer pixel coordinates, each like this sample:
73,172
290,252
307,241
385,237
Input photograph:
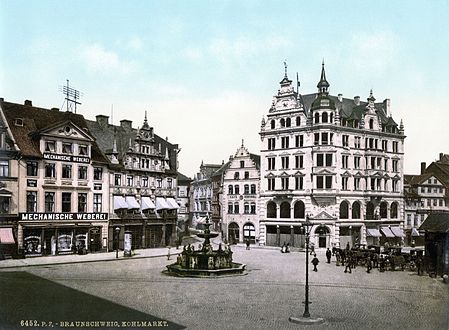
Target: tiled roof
256,159
436,222
182,178
37,119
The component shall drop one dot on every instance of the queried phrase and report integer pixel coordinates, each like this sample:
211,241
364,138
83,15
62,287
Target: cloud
135,43
98,59
374,51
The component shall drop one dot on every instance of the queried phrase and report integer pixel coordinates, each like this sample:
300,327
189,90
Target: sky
206,71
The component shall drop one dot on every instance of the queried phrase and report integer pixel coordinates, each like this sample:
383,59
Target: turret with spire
323,85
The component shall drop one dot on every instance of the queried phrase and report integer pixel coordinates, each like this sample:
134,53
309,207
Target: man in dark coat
315,262
328,255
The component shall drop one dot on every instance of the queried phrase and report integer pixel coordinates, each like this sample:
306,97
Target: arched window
249,232
383,210
317,118
230,190
299,210
271,210
298,121
324,117
289,122
394,211
282,122
246,189
253,208
246,208
344,210
233,232
369,211
285,210
253,189
236,189
356,210
273,123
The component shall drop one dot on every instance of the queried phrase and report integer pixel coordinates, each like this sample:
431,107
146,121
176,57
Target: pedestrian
328,255
247,244
369,264
419,264
283,248
315,262
381,264
168,253
348,265
287,248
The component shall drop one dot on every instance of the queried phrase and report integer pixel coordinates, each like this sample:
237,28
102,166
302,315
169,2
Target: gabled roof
35,120
436,222
183,179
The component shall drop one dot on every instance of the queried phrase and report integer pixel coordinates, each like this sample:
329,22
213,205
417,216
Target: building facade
143,183
183,193
241,197
337,161
62,181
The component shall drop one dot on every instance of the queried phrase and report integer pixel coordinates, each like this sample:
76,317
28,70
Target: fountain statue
206,261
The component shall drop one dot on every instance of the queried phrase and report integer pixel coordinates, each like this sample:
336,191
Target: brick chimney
357,100
423,167
102,120
126,124
28,102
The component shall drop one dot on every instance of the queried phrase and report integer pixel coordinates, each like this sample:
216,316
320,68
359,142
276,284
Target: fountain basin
235,269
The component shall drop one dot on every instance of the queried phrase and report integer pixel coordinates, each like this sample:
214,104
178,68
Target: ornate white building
240,197
338,161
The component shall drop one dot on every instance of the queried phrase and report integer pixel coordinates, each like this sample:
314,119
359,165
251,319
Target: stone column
163,235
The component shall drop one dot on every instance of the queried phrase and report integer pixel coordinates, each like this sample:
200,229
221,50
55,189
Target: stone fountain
206,262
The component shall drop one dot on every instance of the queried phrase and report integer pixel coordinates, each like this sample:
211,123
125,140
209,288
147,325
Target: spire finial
145,120
323,85
285,68
242,142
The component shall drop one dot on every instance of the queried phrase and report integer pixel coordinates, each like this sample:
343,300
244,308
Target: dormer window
18,122
82,150
50,146
66,148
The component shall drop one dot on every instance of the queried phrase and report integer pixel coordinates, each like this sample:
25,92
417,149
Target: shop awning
161,204
415,232
173,204
373,232
387,232
147,204
120,203
397,231
6,236
132,203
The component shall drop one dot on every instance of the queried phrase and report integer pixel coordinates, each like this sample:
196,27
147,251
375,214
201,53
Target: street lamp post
307,227
306,319
117,232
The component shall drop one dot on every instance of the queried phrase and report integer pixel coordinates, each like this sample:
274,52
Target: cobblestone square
265,298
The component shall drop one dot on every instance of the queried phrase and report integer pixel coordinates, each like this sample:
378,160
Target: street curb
87,261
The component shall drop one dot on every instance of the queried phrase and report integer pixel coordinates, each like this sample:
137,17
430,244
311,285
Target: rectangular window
4,168
328,182
159,182
395,165
344,183
246,189
66,202
386,164
236,208
345,140
271,144
98,202
345,161
271,163
356,183
4,204
82,150
284,183
169,183
285,162
356,162
320,182
230,208
66,171
328,159
299,183
299,141
385,145
32,168
98,173
271,184
118,180
145,181
320,160
246,208
130,181
285,142
50,170
324,138
253,208
316,139
50,146
299,161
246,175
82,202
66,148
395,146
31,201
82,172
242,164
357,143
49,202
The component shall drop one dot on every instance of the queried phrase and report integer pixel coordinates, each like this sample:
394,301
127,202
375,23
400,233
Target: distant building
335,160
183,191
425,194
63,186
240,198
143,183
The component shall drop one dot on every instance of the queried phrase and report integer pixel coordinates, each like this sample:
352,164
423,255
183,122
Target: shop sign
31,183
66,158
63,216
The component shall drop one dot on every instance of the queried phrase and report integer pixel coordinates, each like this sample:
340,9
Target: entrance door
233,233
323,232
95,239
322,242
249,232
